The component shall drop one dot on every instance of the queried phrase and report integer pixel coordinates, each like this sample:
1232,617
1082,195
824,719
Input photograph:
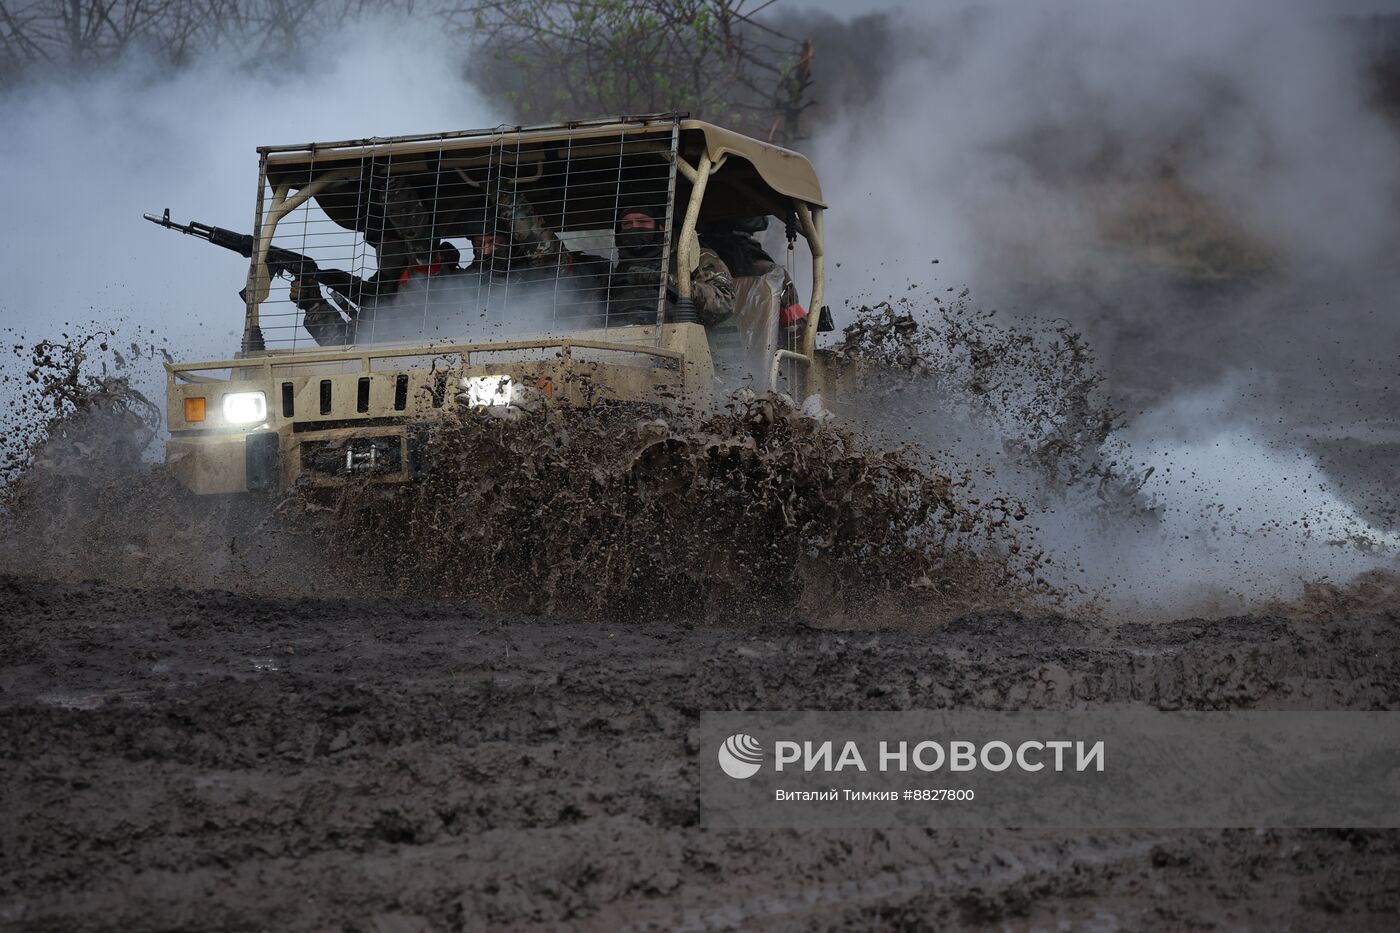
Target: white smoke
995,147
1023,145
1240,519
473,306
87,156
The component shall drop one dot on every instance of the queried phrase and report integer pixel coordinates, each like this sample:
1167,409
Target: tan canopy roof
575,174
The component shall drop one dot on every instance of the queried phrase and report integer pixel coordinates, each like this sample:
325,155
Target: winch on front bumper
386,455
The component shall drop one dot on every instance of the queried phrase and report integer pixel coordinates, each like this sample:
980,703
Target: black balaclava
640,244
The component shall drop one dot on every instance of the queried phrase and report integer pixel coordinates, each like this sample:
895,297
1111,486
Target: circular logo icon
741,756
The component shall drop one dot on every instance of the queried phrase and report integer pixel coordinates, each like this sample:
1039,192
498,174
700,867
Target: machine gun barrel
240,243
279,261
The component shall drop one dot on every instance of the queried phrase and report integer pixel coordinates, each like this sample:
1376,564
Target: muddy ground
178,760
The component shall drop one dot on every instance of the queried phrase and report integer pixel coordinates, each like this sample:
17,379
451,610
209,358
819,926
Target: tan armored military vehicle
393,281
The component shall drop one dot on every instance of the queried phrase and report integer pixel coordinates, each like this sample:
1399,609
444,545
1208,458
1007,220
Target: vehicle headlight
489,391
245,407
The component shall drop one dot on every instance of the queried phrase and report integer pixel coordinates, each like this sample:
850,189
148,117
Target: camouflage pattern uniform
635,284
401,238
332,321
325,322
535,253
736,244
532,243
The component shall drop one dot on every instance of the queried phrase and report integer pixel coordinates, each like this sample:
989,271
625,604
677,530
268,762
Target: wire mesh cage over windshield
469,240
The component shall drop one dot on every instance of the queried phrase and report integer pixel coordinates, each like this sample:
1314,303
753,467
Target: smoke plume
88,154
1209,194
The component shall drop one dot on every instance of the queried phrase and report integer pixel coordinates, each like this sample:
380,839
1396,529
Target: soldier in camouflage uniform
331,319
635,283
526,250
404,249
736,244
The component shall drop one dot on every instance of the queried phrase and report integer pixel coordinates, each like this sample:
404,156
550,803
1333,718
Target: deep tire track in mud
177,759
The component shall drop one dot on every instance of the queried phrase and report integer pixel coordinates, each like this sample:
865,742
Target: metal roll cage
809,217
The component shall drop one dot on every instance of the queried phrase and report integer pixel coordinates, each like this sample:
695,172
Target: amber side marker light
194,409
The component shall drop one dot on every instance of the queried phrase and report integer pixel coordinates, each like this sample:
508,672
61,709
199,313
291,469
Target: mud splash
748,513
77,428
62,406
988,472
956,380
751,512
81,496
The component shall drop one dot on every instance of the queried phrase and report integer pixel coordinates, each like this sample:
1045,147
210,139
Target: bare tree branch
551,59
567,58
